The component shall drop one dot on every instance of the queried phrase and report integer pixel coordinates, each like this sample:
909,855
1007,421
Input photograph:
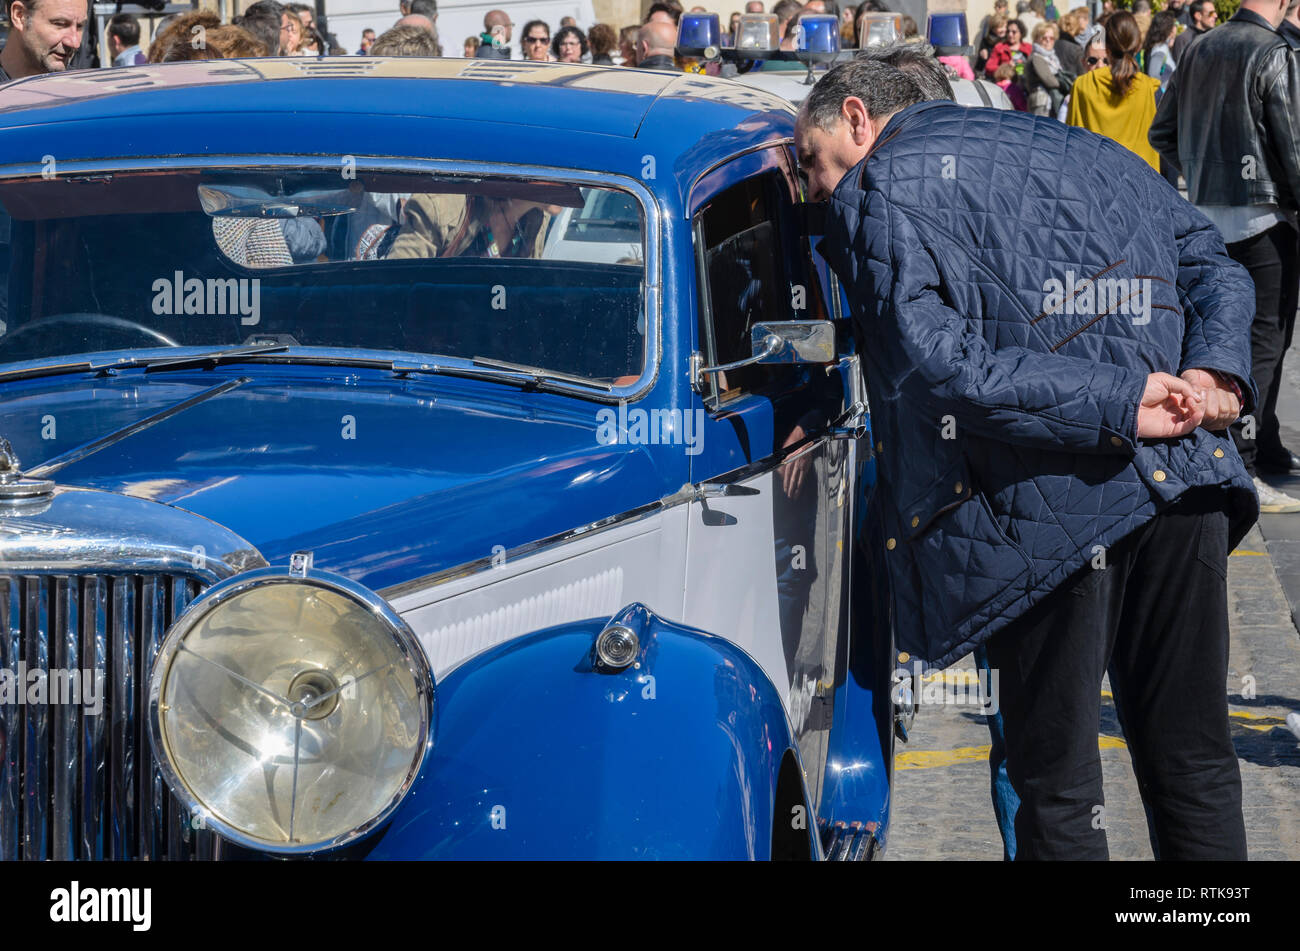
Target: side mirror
784,341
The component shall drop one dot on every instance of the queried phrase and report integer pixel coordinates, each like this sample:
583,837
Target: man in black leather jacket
1229,122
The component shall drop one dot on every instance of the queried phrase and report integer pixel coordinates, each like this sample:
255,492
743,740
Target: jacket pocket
964,559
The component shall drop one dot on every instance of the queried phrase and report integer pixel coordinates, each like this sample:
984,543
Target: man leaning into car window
1055,476
449,225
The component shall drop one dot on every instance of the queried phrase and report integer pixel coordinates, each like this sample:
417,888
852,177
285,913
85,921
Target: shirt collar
1250,16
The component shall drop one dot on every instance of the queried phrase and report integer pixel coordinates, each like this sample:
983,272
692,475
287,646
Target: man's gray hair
883,89
918,61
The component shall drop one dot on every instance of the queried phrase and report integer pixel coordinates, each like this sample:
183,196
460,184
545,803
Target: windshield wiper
537,373
151,364
215,358
526,378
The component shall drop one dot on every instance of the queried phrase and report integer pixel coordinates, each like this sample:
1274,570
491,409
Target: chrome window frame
774,157
652,212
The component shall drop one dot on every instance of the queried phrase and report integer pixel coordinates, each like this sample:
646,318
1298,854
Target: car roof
577,116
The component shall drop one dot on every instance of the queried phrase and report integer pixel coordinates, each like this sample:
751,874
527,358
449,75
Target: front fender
541,755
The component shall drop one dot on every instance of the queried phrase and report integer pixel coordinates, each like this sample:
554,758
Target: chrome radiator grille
76,782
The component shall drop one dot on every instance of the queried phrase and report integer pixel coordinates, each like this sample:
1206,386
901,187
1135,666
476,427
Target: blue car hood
386,480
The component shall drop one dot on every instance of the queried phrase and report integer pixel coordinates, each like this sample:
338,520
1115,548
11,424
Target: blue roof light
947,30
818,33
699,30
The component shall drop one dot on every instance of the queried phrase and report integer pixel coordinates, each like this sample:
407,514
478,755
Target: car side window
752,270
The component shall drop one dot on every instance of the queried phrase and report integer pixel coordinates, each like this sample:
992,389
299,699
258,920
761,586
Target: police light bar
816,37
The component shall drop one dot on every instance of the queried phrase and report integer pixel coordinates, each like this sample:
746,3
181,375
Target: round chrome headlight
290,713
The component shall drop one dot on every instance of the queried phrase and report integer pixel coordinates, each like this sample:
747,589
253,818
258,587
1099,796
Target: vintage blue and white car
427,459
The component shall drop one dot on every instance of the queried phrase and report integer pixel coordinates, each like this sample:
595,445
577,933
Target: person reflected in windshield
263,243
449,225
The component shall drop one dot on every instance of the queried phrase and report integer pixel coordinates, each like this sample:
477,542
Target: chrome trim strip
181,837
36,739
687,493
80,452
529,548
153,625
10,734
122,749
653,212
94,649
63,622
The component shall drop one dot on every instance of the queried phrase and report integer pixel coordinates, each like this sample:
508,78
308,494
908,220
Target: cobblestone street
942,807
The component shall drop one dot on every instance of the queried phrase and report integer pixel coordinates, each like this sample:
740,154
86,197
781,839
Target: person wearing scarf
1042,77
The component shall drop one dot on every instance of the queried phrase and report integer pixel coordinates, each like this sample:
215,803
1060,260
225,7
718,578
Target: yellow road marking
931,759
1266,722
958,678
1254,554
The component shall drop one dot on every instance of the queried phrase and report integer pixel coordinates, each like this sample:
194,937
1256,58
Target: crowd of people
271,28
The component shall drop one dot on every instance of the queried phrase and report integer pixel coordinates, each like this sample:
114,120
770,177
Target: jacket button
890,544
1218,454
957,488
915,521
880,446
1158,475
904,657
1116,441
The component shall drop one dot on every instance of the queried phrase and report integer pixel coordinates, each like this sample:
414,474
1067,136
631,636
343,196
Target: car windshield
547,274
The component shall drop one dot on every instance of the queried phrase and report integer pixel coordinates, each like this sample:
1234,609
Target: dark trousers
1270,258
1157,618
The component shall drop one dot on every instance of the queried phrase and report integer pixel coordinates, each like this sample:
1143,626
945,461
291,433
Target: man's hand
1170,407
1221,404
794,471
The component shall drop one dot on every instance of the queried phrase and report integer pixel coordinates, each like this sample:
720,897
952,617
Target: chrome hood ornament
14,487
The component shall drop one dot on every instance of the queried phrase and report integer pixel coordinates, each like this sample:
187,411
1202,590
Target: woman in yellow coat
1119,100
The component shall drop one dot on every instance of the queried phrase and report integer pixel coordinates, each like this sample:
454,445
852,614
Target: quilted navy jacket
999,268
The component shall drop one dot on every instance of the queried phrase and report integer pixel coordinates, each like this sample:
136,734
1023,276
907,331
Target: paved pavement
941,789
1283,531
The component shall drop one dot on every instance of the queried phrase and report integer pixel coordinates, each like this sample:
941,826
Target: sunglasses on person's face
535,39
1095,60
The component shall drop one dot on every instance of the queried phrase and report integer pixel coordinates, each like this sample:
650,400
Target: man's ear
854,112
18,14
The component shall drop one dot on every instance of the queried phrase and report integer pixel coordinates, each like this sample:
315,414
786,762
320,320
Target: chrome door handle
722,490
